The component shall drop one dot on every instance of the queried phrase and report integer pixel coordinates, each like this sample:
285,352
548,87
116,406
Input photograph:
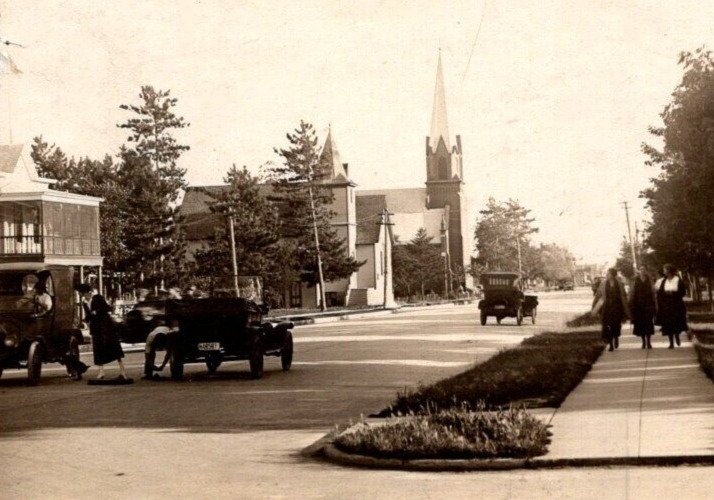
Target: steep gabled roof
368,210
408,200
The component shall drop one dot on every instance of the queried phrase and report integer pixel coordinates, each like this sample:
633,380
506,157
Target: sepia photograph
357,249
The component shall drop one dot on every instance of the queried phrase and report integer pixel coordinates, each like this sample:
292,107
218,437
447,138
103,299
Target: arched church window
442,170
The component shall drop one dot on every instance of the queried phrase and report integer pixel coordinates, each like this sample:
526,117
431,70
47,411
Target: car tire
286,353
34,363
498,319
213,361
484,317
176,364
533,315
256,359
519,316
1,372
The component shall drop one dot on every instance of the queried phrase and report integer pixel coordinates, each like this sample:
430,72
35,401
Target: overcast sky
552,107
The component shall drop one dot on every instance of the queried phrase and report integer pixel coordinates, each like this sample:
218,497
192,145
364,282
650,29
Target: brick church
439,207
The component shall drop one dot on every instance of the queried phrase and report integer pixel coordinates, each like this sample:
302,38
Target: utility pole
323,305
520,263
629,234
233,253
386,223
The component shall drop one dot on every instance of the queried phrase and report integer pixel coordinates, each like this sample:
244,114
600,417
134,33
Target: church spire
331,156
439,121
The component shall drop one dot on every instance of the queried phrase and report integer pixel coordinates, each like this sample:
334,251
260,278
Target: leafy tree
681,197
499,230
301,174
149,171
428,270
556,264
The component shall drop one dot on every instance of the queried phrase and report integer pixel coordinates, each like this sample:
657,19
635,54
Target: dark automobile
504,298
30,335
210,331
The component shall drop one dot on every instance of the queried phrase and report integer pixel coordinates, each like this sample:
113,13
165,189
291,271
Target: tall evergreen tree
149,171
301,172
256,229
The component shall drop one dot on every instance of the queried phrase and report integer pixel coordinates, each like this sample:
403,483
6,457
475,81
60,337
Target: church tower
444,177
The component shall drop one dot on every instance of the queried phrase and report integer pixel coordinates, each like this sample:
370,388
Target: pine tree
255,227
149,171
303,171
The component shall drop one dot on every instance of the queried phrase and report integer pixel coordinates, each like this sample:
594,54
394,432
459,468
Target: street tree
301,189
681,197
149,170
256,229
556,264
501,228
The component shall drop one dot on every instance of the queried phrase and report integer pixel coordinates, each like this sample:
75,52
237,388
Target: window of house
296,295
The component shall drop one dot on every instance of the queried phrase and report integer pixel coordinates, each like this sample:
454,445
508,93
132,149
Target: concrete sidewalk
638,403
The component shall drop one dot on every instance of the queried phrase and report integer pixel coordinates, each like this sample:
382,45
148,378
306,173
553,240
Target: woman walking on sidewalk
642,306
611,302
671,311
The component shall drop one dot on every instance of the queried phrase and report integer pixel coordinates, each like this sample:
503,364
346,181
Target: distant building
440,208
585,274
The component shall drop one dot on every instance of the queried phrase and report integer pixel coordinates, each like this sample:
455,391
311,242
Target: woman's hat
84,288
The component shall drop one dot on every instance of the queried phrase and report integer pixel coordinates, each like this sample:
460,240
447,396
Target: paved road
226,435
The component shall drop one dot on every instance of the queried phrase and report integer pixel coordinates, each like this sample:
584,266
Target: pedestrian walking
671,311
105,339
611,303
643,307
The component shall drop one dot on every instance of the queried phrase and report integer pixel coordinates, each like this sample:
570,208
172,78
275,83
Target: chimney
345,166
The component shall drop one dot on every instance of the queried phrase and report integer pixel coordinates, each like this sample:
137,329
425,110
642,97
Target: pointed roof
331,154
439,120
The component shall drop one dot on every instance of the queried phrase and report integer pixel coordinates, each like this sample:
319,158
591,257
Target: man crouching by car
157,340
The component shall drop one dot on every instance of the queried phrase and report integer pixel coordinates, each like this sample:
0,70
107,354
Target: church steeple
439,120
331,156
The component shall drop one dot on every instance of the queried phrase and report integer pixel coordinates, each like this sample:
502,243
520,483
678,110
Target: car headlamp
9,339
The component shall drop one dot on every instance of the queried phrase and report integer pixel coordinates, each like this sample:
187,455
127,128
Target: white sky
552,110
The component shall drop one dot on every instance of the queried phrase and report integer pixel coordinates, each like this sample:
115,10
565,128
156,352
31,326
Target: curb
336,456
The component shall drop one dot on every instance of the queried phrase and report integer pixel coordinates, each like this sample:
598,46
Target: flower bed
539,372
455,433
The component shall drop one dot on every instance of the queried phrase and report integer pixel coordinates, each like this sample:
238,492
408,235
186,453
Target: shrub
453,433
705,351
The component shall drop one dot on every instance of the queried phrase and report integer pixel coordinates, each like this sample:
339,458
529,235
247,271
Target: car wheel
72,360
256,359
1,372
176,364
213,361
34,363
519,316
498,319
533,315
483,318
286,353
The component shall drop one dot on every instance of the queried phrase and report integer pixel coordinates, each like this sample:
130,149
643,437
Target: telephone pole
233,253
386,223
629,234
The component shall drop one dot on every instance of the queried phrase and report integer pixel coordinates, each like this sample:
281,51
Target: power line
473,46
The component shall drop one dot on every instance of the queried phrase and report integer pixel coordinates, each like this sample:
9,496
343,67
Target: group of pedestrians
647,305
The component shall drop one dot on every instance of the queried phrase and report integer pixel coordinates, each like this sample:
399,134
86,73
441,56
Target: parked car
504,298
210,331
29,336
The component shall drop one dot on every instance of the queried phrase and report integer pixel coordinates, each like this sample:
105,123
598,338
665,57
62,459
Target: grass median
539,372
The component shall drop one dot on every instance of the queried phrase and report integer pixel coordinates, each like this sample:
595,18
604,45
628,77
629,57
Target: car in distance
29,336
504,298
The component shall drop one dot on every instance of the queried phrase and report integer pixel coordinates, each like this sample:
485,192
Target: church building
371,221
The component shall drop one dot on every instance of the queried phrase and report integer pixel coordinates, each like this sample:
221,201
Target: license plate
500,307
209,346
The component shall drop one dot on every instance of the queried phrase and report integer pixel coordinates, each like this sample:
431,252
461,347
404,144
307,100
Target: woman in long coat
643,308
105,339
671,311
611,302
